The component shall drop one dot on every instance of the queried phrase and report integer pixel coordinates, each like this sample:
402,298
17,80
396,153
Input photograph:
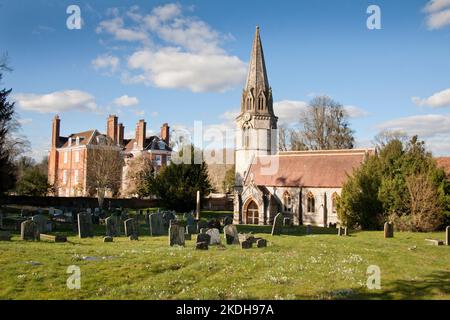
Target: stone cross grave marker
277,226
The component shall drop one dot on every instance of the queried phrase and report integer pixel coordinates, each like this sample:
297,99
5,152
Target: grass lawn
293,266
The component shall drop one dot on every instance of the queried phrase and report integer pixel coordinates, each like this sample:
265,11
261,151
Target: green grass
293,266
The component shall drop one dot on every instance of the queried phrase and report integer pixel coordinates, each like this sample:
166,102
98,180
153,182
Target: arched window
334,198
311,203
287,201
249,104
261,103
246,138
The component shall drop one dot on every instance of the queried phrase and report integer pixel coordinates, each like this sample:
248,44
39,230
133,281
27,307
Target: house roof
84,138
150,143
444,162
328,168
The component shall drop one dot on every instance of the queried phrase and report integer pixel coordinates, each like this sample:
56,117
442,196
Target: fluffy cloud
126,101
107,62
438,100
58,101
173,68
179,51
438,14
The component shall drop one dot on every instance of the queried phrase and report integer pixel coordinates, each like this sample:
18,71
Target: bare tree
140,171
283,138
104,165
383,138
325,125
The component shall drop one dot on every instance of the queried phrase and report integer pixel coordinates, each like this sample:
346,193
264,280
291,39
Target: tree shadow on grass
433,286
291,231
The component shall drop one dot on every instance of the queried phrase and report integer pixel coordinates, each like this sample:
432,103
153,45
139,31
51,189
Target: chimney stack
141,129
111,128
120,133
55,131
165,133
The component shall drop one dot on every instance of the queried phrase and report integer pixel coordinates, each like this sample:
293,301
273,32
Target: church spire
257,74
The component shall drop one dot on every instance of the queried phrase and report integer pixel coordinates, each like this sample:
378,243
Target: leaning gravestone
277,227
29,230
131,228
176,235
388,230
447,236
215,236
85,225
111,227
41,222
231,234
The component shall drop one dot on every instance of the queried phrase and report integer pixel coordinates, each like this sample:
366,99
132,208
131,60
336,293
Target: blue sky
180,62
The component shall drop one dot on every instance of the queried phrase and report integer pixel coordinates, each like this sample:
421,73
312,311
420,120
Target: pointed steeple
257,74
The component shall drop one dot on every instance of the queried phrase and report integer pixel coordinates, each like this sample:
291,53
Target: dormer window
77,141
162,145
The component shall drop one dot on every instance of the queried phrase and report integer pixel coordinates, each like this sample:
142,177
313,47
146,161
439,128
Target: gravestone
147,218
191,228
108,239
85,225
41,222
157,224
111,227
261,243
201,246
246,244
277,226
308,229
435,242
5,236
231,234
447,236
176,234
346,231
388,230
52,238
203,237
131,228
29,230
133,237
215,236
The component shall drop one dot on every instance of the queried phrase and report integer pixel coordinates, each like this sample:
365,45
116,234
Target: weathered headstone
131,227
308,229
85,225
108,239
29,230
157,224
435,242
111,227
447,236
41,222
246,244
203,237
5,236
215,236
176,235
388,230
52,238
277,227
191,228
261,243
231,234
201,246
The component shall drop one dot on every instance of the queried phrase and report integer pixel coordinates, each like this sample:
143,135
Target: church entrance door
252,213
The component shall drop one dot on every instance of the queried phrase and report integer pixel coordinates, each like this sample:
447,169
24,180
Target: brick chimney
111,128
120,133
165,133
141,129
55,131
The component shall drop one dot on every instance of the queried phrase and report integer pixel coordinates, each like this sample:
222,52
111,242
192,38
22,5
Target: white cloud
25,121
57,101
356,112
111,63
179,52
438,14
438,100
126,101
173,68
288,111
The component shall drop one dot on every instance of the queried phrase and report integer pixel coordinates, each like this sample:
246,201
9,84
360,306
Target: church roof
257,74
321,169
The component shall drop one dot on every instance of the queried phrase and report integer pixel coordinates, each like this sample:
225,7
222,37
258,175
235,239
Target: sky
184,62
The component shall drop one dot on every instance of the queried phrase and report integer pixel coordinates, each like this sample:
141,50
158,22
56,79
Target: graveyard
135,257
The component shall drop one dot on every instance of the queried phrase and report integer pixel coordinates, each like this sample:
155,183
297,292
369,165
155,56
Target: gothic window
334,198
261,102
310,203
287,201
249,104
246,138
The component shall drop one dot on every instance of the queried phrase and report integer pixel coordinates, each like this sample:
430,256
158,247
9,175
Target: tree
229,180
104,168
33,183
139,175
176,185
325,125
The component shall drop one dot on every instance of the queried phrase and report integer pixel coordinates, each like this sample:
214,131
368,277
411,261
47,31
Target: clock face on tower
247,116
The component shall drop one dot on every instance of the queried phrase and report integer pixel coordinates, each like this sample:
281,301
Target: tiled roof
84,138
150,143
307,168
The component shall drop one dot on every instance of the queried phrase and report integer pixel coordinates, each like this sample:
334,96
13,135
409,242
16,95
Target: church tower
256,124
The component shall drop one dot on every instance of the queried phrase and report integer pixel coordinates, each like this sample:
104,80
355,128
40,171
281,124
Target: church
303,185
